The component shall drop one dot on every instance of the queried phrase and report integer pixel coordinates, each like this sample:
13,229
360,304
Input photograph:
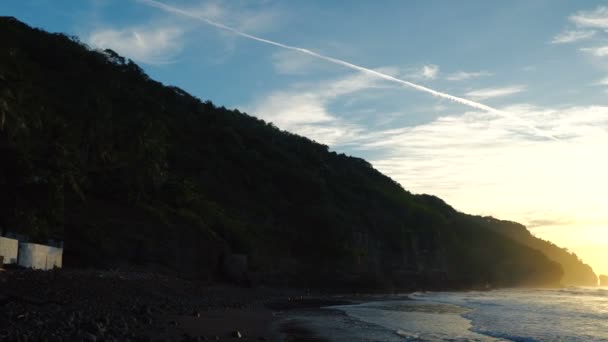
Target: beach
92,305
65,305
88,305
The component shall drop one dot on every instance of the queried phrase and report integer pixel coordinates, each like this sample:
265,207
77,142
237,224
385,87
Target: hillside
575,271
129,171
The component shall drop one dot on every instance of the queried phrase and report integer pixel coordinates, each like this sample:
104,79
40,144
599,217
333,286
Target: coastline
101,305
89,305
297,319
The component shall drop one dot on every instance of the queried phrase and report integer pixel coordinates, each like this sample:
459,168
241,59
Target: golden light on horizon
588,240
559,189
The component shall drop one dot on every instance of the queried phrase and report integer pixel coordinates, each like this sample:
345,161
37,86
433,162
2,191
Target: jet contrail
433,92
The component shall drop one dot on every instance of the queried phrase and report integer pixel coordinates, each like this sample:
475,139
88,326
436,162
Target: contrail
433,92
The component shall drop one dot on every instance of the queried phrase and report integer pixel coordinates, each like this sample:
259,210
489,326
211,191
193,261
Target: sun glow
484,165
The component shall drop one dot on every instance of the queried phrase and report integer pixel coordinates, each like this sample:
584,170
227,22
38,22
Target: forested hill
131,172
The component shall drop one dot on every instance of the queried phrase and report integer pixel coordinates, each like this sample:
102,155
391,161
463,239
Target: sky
499,108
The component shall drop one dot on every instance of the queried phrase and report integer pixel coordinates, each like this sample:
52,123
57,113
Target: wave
415,306
407,335
585,291
572,314
505,336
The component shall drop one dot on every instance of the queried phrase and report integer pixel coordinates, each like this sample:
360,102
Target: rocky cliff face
603,280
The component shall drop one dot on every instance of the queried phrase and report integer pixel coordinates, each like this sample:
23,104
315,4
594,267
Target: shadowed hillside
129,171
576,272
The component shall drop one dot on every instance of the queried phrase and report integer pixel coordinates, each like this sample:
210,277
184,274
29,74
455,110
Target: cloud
160,42
488,93
426,72
599,51
544,222
258,21
571,36
343,63
211,10
430,71
293,63
463,75
484,163
150,45
529,68
597,18
304,109
241,17
602,82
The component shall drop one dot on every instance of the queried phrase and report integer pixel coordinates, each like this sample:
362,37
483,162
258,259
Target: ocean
568,314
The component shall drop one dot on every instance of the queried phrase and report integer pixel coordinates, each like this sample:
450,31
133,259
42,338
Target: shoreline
103,305
95,305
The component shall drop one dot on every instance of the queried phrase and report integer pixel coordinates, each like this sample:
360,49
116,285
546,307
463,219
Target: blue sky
543,65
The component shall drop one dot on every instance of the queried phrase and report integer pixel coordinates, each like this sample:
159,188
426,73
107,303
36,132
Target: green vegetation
127,170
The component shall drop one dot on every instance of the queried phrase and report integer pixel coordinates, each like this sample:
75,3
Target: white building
39,257
9,250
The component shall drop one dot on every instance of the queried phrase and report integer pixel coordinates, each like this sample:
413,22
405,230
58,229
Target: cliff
129,171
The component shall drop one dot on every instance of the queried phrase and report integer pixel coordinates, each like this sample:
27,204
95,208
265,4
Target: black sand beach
70,305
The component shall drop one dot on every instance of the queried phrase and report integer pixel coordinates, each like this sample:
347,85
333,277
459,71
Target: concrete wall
9,250
40,257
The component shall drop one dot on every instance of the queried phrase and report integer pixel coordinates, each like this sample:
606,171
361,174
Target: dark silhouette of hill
131,172
576,272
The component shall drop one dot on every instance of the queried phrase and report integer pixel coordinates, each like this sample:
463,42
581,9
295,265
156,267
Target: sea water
569,314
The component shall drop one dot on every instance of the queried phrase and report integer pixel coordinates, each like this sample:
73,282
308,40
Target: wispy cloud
486,162
293,63
599,51
597,18
304,109
430,71
386,77
602,82
480,161
241,17
426,72
161,41
463,75
544,222
151,45
488,93
571,36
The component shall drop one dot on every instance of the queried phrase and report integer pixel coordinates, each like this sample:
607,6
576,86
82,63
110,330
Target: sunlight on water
569,314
